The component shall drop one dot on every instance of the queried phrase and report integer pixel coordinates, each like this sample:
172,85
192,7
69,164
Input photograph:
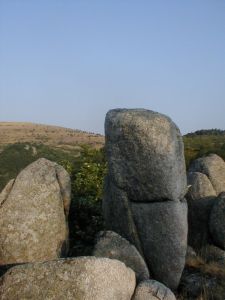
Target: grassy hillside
57,137
197,145
45,141
15,157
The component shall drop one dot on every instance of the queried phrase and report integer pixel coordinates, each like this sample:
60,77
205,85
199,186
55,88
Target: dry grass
202,280
211,268
14,132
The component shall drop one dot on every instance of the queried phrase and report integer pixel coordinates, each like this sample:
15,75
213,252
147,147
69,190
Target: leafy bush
85,218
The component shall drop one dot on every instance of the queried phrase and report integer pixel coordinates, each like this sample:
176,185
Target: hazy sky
67,62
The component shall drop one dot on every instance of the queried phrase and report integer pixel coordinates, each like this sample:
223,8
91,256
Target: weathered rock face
80,278
147,178
201,186
217,221
153,290
33,214
162,227
213,167
110,244
145,155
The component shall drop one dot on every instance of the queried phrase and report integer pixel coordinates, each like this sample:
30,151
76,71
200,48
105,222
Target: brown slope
65,138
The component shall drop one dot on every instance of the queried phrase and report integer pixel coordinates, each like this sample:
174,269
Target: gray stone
110,244
201,186
145,155
162,227
217,221
153,290
147,170
213,167
198,222
33,214
118,215
80,278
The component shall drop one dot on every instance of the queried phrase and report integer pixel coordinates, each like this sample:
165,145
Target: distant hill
203,142
22,143
207,132
58,137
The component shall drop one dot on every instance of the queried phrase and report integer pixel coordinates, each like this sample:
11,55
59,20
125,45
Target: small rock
110,244
201,186
213,167
152,290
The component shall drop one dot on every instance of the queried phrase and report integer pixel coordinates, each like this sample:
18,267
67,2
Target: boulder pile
142,253
206,202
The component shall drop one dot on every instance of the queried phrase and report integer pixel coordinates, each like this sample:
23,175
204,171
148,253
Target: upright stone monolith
145,188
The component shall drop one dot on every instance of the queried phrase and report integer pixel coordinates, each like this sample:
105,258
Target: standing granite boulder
33,214
88,278
145,155
147,176
152,290
217,221
110,244
213,167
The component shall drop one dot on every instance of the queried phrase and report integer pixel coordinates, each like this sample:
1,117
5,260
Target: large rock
33,214
200,186
213,167
162,228
80,278
152,290
217,221
110,244
147,170
145,155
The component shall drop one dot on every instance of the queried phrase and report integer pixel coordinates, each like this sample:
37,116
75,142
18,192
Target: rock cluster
206,202
145,213
145,188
